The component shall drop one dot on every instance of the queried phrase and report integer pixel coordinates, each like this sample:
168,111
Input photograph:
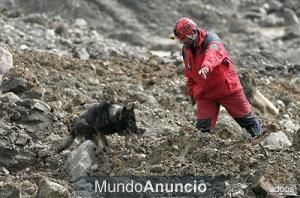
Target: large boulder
81,159
49,189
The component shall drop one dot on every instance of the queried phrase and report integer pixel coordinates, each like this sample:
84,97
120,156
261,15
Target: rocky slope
67,55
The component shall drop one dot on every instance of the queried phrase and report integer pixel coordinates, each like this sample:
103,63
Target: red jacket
222,80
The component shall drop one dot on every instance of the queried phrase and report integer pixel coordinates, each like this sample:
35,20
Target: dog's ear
131,106
124,110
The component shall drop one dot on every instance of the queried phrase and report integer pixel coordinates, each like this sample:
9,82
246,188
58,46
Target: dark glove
192,100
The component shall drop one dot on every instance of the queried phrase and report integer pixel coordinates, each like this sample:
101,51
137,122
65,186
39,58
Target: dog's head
128,118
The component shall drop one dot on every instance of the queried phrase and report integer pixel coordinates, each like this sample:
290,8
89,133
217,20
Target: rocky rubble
60,66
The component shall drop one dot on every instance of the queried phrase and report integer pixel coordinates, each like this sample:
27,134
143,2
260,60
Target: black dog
103,119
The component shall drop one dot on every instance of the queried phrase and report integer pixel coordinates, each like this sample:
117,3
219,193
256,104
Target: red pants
236,104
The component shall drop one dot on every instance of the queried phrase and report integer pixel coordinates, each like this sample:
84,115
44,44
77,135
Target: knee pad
251,124
203,125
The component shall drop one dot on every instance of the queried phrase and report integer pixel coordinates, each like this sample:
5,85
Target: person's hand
203,72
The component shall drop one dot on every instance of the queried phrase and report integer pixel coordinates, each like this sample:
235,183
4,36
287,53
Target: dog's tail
66,142
69,139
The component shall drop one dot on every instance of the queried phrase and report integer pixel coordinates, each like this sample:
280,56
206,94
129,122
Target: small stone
94,167
43,153
189,170
41,106
280,103
253,162
4,170
277,141
175,147
28,188
227,184
22,139
157,169
239,193
9,97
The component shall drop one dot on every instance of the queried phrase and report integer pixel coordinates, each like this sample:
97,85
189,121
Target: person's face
189,40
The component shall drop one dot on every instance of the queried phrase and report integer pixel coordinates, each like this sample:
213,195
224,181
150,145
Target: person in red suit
211,78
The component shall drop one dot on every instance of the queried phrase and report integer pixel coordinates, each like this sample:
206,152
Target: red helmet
183,27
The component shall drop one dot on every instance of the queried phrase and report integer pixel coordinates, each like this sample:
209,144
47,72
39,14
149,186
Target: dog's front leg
106,146
127,138
95,139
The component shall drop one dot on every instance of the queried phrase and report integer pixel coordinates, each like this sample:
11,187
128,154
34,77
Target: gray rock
6,61
16,85
7,155
289,124
253,15
273,5
289,4
81,159
15,158
128,36
41,106
37,128
189,170
80,23
81,53
41,19
143,97
35,117
237,194
34,93
43,153
9,191
262,187
272,20
291,32
49,189
10,97
227,127
277,141
28,188
157,169
4,170
151,99
290,17
13,136
296,142
22,139
136,87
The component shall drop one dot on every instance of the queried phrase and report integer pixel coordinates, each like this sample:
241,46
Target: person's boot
203,125
251,124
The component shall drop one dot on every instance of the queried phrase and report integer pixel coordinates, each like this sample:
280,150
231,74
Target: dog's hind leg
95,139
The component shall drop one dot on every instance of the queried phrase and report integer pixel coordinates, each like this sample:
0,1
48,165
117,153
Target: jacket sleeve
214,55
190,81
